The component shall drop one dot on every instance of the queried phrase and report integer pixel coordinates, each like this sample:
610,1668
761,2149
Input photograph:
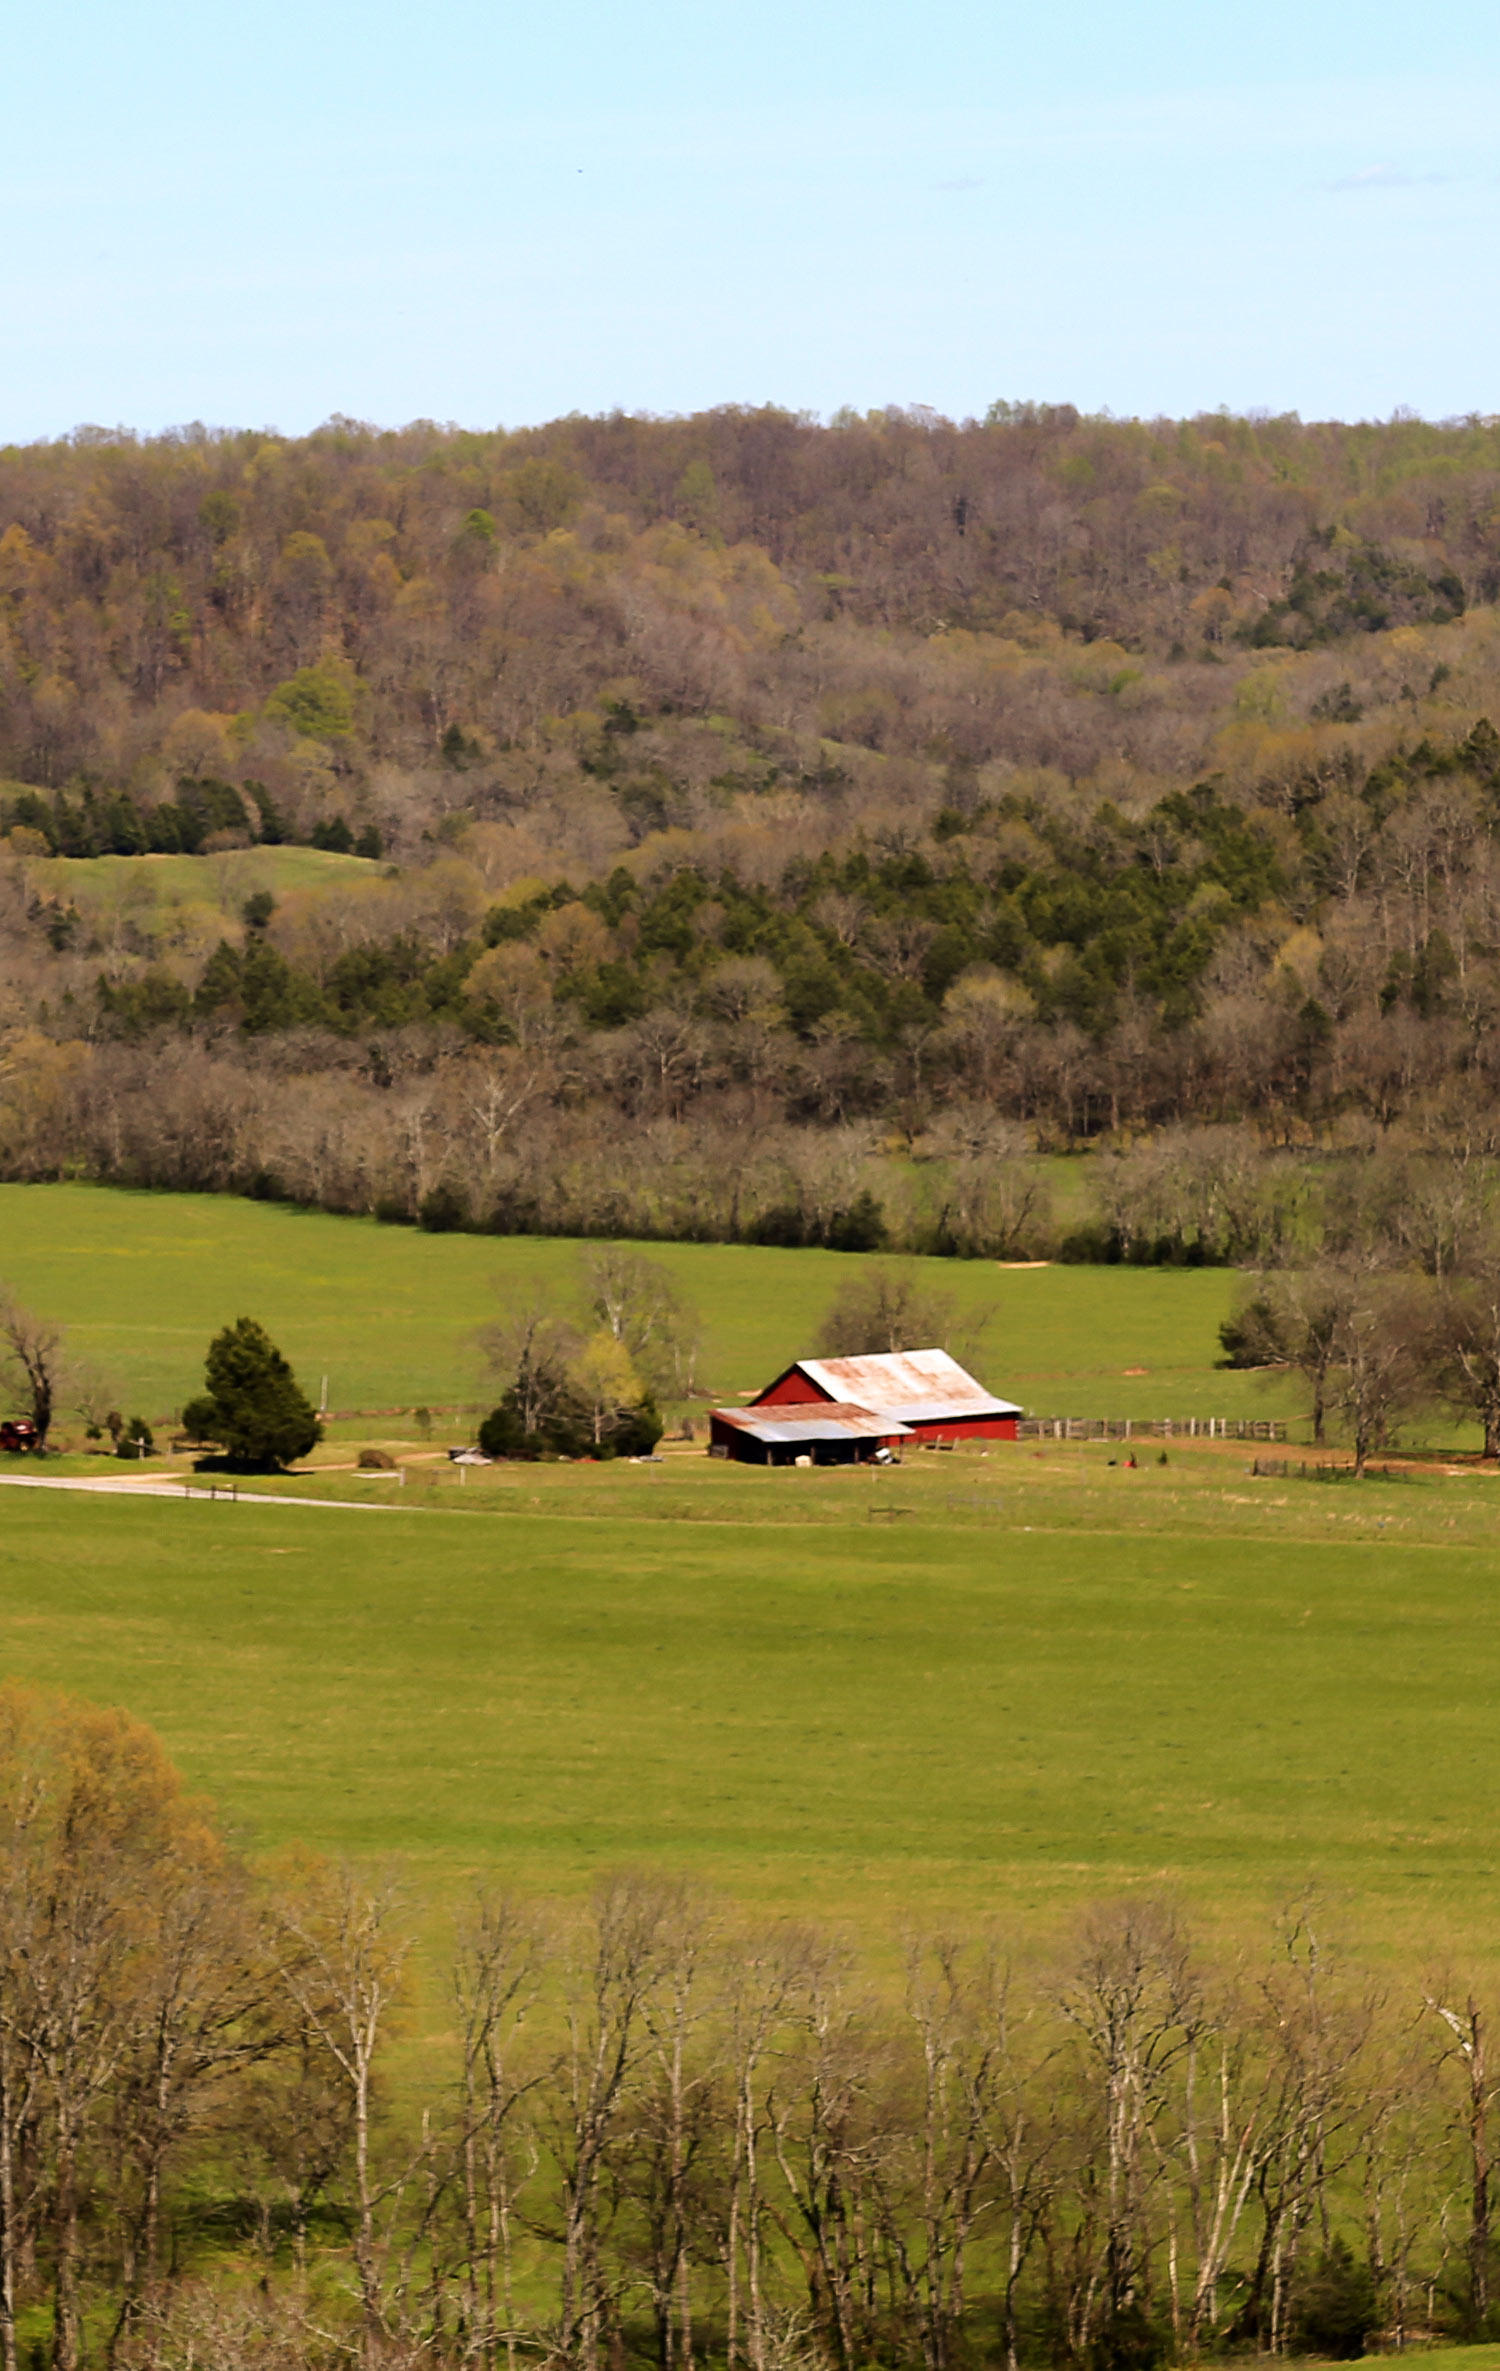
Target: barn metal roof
926,1386
814,1420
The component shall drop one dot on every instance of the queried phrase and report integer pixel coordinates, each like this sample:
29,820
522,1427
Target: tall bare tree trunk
8,2234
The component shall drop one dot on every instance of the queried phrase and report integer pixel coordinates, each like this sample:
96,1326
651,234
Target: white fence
1149,1428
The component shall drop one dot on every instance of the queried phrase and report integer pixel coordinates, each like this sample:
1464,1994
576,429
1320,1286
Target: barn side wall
789,1390
966,1428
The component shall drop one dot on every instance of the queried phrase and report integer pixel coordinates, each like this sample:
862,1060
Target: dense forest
752,797
243,2120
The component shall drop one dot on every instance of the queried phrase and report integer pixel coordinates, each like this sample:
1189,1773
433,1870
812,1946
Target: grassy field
985,1683
177,908
225,880
388,1314
980,1686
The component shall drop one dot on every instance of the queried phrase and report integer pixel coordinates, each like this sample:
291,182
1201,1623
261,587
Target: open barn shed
827,1431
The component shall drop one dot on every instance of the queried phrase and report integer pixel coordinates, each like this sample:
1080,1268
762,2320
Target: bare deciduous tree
1135,1999
1378,1370
1463,1345
1467,2048
528,1350
340,1956
33,1362
886,1306
610,1973
642,1305
496,1978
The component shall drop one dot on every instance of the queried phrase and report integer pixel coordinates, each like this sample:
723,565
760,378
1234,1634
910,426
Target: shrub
636,1431
1255,1336
561,1428
1334,2309
445,1211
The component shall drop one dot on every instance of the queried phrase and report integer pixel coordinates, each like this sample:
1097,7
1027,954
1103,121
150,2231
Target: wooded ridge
748,779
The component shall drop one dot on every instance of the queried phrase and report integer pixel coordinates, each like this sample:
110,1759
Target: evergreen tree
253,1406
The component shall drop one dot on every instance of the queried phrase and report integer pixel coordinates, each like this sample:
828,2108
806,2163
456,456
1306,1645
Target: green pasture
388,1313
225,879
181,906
994,1682
984,1686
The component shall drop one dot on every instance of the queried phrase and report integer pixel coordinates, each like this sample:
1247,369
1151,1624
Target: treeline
494,1142
236,2127
201,814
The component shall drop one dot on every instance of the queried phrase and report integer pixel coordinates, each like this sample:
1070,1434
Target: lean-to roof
813,1420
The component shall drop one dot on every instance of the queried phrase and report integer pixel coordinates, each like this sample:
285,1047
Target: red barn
891,1396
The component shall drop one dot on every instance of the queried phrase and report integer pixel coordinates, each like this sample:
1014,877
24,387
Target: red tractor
17,1435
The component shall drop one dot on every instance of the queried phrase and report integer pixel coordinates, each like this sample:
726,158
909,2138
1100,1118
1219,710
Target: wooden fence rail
1327,1469
1150,1428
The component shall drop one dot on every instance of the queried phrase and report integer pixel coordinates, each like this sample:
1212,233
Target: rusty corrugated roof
813,1420
924,1386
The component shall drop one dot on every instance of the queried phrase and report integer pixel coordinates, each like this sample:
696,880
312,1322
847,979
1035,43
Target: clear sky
489,211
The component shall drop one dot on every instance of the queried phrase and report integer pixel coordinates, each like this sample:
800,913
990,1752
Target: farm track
107,1487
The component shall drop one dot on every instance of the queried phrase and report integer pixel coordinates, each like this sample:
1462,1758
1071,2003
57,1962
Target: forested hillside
738,796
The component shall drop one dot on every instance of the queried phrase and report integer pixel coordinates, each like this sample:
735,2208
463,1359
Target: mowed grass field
987,1685
979,1688
389,1314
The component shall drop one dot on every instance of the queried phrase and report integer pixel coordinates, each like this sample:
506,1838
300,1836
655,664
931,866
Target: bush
636,1431
859,1226
445,1211
1130,2341
137,1440
1095,1246
1255,1336
515,1213
564,1429
562,1432
1334,2308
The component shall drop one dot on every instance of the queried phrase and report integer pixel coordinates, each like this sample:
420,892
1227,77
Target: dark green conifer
253,1407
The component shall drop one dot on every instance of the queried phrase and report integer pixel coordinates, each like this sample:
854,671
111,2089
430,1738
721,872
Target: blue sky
264,214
